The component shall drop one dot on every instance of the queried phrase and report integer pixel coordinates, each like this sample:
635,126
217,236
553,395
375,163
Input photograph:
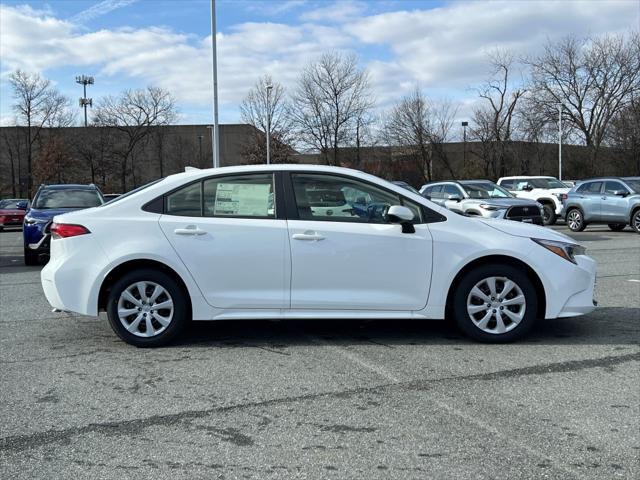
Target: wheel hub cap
145,309
496,305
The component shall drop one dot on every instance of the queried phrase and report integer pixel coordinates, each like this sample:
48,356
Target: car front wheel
548,214
495,303
147,308
635,220
575,220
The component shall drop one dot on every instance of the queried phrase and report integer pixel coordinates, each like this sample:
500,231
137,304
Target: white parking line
633,280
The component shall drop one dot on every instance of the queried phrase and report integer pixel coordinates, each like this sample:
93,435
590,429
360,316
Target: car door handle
308,236
189,230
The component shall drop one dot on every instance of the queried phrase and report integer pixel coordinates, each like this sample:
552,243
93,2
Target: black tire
30,258
617,227
635,220
462,292
549,214
575,220
181,310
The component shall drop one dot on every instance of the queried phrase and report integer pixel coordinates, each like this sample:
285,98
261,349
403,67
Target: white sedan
301,241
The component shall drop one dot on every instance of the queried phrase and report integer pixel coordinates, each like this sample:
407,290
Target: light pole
560,142
464,144
215,131
85,80
269,87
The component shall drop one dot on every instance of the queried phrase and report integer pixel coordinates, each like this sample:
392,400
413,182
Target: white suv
549,191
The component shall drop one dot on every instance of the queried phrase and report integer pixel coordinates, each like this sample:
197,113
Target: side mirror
22,205
527,188
403,216
454,197
620,193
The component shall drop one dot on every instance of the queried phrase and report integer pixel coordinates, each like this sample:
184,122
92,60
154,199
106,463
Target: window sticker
242,199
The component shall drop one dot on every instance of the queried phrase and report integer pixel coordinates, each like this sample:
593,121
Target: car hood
528,230
554,190
11,211
507,202
49,213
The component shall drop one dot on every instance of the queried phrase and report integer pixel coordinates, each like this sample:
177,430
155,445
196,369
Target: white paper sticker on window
243,199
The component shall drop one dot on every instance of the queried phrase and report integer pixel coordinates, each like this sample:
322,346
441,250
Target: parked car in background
110,196
227,256
12,212
49,201
548,191
402,184
614,201
482,198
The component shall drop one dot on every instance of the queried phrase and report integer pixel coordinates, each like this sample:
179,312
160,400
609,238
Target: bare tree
132,113
494,120
37,104
332,94
265,109
593,79
624,134
421,129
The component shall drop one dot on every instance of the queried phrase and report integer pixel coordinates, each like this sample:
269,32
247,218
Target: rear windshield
67,198
10,204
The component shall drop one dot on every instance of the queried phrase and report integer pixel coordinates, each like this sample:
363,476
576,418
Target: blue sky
441,46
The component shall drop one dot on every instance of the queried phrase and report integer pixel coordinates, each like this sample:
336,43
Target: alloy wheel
575,220
496,305
636,221
145,309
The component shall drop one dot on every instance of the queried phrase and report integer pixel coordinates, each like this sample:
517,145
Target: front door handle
189,230
308,236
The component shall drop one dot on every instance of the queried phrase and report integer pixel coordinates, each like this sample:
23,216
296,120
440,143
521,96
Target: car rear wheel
635,220
495,303
575,220
548,214
617,227
147,308
30,258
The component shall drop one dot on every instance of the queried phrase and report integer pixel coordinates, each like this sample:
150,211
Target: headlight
568,251
488,206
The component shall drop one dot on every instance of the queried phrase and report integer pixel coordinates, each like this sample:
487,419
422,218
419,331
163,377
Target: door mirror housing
454,197
527,188
22,205
403,216
620,193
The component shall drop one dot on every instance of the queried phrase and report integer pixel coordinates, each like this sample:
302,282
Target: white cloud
337,12
100,9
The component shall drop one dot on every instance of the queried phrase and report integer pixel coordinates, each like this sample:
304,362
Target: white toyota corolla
300,241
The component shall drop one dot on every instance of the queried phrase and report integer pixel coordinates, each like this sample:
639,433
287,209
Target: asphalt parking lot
305,399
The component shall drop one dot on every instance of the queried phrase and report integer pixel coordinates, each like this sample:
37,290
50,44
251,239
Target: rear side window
431,190
185,202
589,187
245,196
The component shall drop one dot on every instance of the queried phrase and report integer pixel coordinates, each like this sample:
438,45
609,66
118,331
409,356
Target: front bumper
583,301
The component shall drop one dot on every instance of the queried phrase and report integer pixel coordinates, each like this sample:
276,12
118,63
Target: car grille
524,214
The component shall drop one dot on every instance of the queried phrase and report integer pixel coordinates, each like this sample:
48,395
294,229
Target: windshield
485,190
545,183
135,190
67,198
634,185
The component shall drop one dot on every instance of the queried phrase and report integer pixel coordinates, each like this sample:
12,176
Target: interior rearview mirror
402,215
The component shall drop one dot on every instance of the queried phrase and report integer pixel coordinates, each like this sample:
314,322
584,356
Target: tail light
65,230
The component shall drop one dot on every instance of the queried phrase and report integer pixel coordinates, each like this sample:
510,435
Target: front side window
590,188
341,199
610,187
508,184
67,198
240,196
451,190
429,191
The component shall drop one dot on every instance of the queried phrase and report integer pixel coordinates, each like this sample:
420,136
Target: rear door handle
308,236
189,230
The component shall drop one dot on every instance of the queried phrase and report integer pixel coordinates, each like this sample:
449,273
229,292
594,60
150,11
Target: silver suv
482,198
613,201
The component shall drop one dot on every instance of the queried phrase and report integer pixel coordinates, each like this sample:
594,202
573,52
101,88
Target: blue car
49,201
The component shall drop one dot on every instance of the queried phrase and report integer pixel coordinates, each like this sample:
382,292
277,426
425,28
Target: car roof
600,179
65,186
518,177
468,182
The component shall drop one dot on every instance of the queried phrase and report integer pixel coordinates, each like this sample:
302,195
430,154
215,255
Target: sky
440,46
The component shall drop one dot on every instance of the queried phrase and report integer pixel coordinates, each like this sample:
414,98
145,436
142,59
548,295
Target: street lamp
464,144
85,80
269,87
560,107
215,131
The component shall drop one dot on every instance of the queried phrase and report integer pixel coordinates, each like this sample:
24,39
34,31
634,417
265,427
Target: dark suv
49,201
614,201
